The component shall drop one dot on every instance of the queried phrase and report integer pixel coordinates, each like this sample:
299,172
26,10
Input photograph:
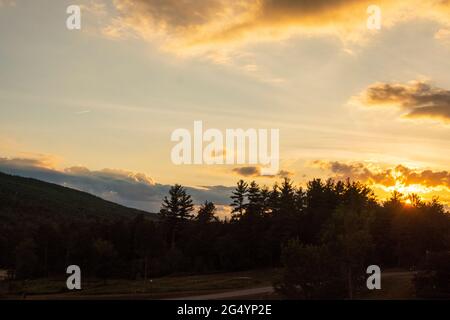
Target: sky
94,109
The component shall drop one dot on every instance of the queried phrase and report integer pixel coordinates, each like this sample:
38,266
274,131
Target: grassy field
165,287
396,284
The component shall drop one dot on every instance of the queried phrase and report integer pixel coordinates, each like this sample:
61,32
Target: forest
322,237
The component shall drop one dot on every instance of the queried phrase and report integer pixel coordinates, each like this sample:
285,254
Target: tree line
322,236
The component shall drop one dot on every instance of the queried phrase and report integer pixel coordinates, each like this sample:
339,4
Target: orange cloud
428,184
192,26
390,177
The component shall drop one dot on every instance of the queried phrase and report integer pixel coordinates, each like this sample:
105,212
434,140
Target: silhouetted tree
309,272
336,222
255,201
206,213
176,211
179,206
347,234
239,197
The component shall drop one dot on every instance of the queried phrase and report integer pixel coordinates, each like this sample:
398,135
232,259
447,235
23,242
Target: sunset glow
95,108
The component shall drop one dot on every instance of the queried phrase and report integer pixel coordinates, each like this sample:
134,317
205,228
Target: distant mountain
25,196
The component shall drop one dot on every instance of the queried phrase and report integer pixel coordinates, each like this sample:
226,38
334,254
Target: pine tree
254,206
176,211
287,198
206,213
179,206
238,197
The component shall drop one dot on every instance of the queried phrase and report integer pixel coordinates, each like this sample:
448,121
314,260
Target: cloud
131,189
140,191
111,174
202,27
389,177
46,162
255,171
95,7
285,174
248,171
417,99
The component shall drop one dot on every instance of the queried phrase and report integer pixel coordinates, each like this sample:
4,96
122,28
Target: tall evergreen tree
287,198
206,213
179,206
254,205
239,197
176,211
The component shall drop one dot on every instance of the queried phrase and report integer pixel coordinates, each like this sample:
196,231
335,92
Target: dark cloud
176,13
127,188
418,99
24,162
248,171
442,112
285,174
255,171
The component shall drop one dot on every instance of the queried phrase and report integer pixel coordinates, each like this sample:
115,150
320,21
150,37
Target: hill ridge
32,196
